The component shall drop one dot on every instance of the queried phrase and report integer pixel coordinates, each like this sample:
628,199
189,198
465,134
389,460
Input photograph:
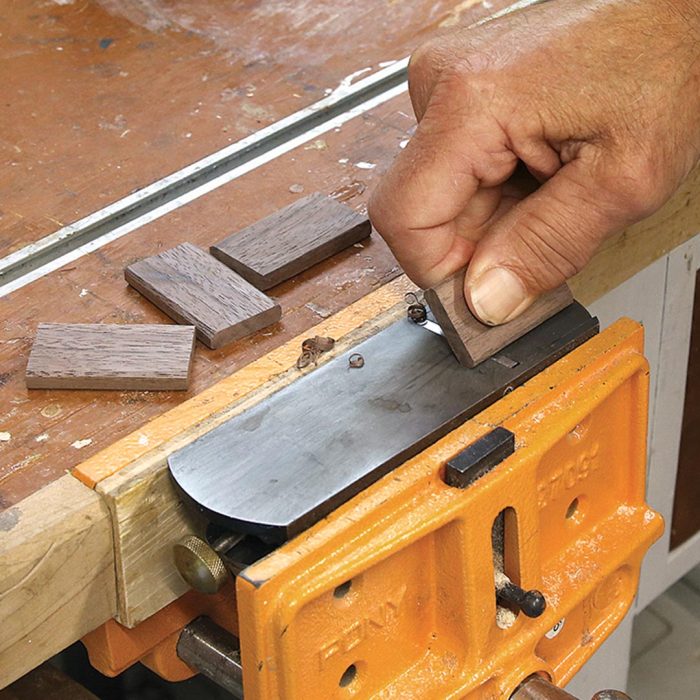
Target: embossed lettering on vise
569,476
360,630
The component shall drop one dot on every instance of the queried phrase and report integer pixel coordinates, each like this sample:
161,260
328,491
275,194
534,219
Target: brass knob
199,565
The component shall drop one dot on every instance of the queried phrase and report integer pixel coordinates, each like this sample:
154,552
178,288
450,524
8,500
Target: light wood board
56,574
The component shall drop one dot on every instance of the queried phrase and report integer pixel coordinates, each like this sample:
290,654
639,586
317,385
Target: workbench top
103,97
106,97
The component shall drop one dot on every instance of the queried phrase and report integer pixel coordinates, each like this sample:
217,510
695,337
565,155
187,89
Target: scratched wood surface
292,239
51,431
473,342
56,573
101,97
192,287
110,356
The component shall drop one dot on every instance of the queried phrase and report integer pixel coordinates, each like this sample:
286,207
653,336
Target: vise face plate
287,462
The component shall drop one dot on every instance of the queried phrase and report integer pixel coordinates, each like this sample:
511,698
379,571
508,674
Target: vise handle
538,688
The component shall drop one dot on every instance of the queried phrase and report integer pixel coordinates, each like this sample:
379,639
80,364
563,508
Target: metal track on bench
194,180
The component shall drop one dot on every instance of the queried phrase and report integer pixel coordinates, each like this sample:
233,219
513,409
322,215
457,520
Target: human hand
540,134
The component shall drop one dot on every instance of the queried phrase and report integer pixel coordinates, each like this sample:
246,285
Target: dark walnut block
194,288
473,341
111,356
292,239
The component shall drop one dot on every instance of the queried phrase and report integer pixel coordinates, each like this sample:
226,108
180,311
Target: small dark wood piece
110,356
292,239
194,288
472,341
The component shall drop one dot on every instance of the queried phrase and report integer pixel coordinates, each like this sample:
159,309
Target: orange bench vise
505,545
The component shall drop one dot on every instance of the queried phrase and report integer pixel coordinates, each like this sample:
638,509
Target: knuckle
424,66
638,185
546,251
440,62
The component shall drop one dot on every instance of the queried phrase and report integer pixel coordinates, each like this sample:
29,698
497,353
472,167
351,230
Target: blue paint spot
104,43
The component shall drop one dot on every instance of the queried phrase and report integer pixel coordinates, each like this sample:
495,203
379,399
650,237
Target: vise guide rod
281,466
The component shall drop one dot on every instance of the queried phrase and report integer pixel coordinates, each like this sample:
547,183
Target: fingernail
497,296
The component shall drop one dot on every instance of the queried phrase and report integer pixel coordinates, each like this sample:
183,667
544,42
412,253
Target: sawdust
505,618
318,310
501,580
317,145
312,349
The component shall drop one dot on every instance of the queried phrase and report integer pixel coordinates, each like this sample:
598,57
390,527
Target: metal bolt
199,565
356,361
531,603
537,688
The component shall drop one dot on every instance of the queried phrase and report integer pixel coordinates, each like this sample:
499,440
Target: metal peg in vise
530,603
199,565
538,688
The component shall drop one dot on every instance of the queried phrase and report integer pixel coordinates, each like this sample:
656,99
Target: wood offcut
472,341
192,287
111,356
292,239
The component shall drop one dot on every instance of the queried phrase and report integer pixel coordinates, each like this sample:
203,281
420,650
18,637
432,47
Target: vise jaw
393,594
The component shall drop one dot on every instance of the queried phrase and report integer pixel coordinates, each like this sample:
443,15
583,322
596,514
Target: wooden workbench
104,98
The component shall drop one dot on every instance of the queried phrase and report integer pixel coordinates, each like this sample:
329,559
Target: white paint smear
347,81
363,165
5,437
79,444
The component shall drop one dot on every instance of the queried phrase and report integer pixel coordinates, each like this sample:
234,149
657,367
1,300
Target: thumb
541,242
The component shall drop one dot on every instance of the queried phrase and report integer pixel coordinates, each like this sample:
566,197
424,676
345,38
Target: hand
540,134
